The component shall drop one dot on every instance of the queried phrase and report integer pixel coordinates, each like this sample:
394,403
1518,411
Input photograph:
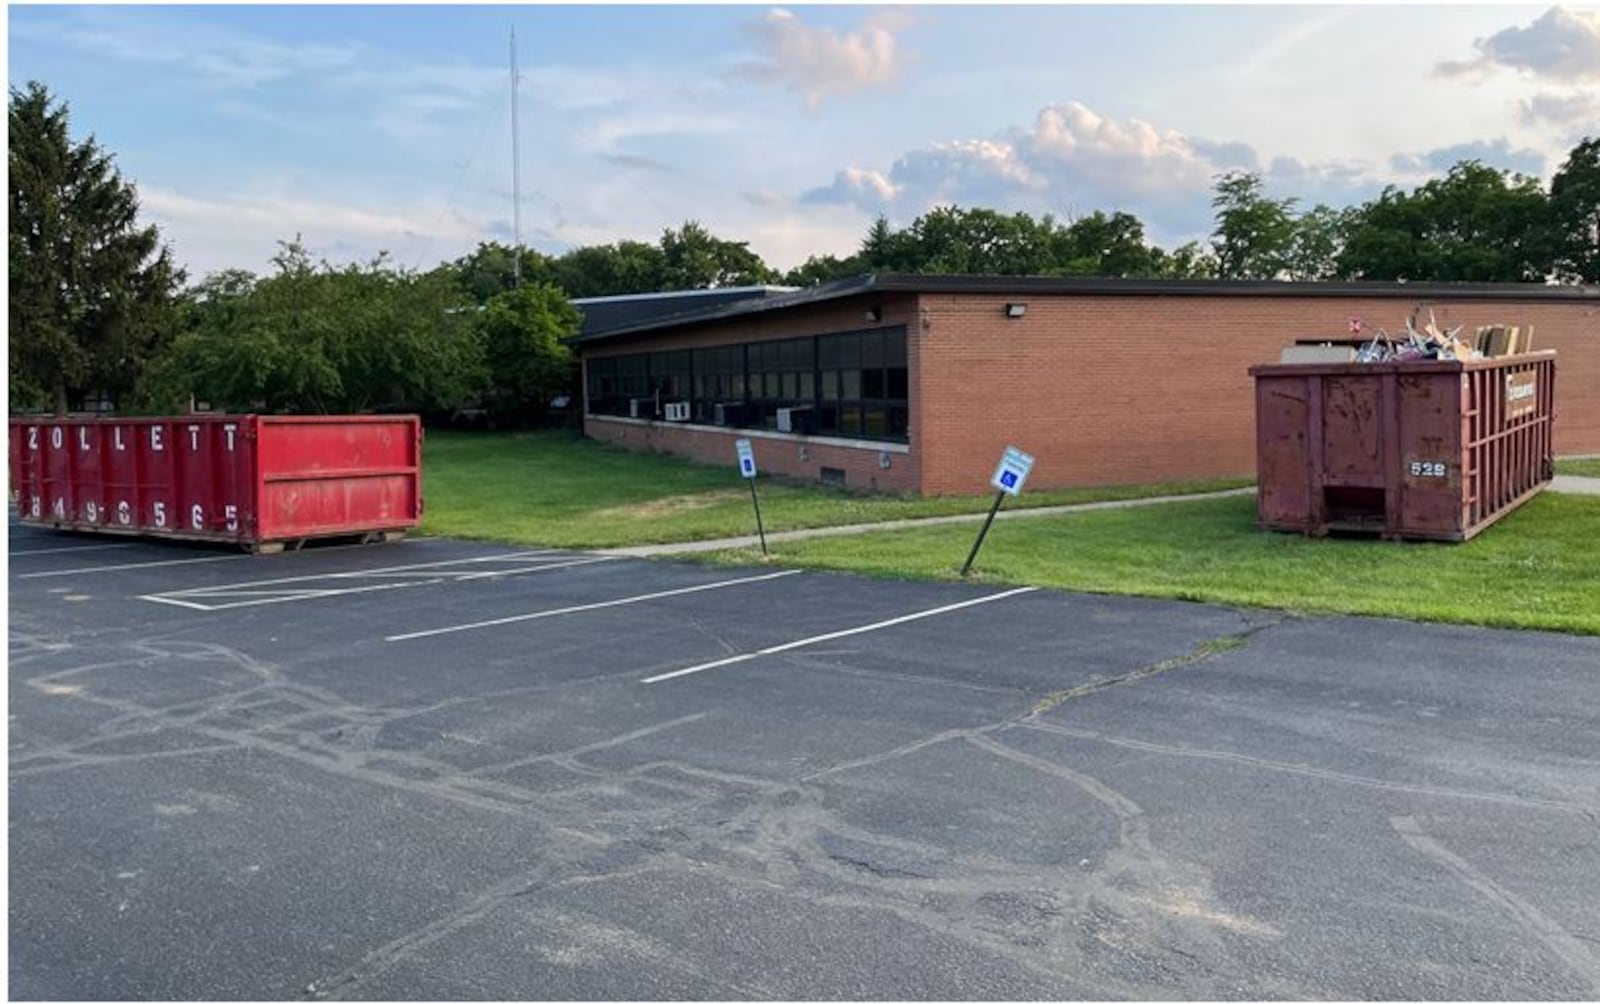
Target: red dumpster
261,481
1410,450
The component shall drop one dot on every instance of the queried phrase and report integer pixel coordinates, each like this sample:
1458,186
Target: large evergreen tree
91,290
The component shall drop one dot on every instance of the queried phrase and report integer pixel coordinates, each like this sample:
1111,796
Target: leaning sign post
1007,480
747,470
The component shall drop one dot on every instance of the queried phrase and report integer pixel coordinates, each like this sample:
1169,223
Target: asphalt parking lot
442,770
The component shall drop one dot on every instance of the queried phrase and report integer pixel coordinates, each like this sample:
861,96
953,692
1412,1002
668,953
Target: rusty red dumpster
1434,450
261,481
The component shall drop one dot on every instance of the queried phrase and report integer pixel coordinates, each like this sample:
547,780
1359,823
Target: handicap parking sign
1013,471
747,458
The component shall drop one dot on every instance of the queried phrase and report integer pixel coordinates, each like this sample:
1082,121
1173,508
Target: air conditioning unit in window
641,407
677,411
727,413
794,420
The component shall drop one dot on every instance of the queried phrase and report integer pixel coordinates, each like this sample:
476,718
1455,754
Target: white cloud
1578,108
209,233
1073,160
1562,44
820,63
1497,154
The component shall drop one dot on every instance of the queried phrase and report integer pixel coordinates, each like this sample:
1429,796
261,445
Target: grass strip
558,489
1536,568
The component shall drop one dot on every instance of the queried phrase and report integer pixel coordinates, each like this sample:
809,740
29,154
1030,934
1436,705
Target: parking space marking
265,591
134,564
70,549
830,636
580,608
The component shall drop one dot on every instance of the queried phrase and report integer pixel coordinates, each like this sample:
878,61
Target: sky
388,128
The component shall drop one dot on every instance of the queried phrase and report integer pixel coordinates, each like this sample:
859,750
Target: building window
782,377
719,385
853,385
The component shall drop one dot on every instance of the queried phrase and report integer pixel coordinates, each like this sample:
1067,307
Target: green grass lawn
1537,568
1587,467
557,489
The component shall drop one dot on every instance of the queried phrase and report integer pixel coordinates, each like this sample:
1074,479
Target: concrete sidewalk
730,543
1562,483
1575,485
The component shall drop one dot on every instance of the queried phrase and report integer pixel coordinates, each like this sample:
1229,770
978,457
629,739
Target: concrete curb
731,543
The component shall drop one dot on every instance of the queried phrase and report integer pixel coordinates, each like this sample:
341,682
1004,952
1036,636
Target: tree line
100,313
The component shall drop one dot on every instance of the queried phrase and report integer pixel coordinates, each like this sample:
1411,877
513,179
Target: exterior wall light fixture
1015,310
874,314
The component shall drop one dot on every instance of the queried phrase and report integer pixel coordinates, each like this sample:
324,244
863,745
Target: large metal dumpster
260,481
1410,450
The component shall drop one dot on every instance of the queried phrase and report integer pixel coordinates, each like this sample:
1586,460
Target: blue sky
387,128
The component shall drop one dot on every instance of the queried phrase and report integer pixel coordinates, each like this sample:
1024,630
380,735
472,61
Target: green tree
1575,212
319,339
522,333
816,270
611,270
1314,246
1476,224
91,290
1253,234
491,269
695,259
1100,245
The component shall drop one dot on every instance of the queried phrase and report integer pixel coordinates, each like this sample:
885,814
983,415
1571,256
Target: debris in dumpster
1429,342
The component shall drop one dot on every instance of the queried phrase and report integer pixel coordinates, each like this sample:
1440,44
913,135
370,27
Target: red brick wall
1107,390
1101,389
773,455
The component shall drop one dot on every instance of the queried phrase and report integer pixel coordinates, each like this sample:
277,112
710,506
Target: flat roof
890,282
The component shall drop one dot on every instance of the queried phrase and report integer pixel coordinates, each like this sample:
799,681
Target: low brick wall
799,457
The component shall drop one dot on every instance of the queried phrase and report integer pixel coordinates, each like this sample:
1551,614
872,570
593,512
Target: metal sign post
1008,479
747,470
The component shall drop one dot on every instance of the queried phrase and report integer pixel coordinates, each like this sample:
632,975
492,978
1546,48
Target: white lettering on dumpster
55,436
194,437
33,437
197,517
83,437
161,513
155,438
1428,469
231,514
229,429
116,439
124,512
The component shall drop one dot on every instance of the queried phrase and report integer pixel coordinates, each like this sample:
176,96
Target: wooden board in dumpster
255,480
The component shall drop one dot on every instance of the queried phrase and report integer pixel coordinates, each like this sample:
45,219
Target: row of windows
853,384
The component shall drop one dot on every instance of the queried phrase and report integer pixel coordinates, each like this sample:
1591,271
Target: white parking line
69,549
593,606
135,564
359,573
197,599
837,634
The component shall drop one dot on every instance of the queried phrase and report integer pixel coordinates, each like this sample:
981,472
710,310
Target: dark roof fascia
1038,285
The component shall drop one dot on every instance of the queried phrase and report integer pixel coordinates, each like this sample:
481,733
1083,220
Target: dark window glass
852,383
899,419
875,421
830,385
898,388
872,350
872,383
894,348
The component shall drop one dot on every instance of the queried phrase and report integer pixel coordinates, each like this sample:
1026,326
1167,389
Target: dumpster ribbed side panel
339,475
1509,434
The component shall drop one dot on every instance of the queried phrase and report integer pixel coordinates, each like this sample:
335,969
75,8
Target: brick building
917,383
